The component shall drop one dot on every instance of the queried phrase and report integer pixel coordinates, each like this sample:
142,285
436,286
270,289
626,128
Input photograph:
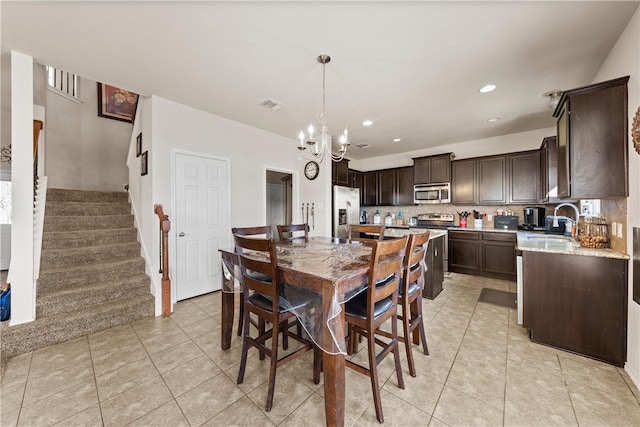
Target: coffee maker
534,218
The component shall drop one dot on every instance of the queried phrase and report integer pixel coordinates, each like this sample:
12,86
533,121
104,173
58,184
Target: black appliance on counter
560,229
534,219
505,222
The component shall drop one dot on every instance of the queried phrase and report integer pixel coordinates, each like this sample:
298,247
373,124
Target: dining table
319,274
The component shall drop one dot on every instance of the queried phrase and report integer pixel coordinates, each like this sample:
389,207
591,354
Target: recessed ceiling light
367,123
397,139
494,119
487,88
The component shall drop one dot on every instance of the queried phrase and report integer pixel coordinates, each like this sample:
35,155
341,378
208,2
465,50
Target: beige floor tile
187,312
46,383
540,416
435,422
240,413
136,402
210,345
456,408
358,393
9,418
201,327
173,357
190,375
11,396
541,359
59,406
89,417
598,407
165,341
118,358
396,412
113,339
168,415
59,356
468,379
422,391
256,372
302,369
150,327
15,370
207,400
289,393
594,375
435,365
524,399
125,378
311,414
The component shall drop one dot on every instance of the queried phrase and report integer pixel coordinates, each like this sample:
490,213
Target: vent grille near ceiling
363,145
271,104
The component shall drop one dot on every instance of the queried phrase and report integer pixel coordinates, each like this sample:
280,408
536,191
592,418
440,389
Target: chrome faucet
555,218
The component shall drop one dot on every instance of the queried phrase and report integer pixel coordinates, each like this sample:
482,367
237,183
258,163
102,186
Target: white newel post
22,251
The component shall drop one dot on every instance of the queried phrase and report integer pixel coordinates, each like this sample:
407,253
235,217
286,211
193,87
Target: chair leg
273,364
373,375
284,326
317,364
261,330
396,350
245,349
419,318
406,333
241,315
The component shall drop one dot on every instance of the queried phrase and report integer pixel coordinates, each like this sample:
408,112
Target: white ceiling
414,68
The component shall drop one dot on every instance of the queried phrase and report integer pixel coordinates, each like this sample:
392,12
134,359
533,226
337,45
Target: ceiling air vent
363,146
271,104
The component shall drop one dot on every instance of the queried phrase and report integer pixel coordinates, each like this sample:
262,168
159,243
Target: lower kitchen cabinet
434,275
483,253
577,303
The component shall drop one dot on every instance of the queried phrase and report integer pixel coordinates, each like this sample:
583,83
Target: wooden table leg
228,302
333,366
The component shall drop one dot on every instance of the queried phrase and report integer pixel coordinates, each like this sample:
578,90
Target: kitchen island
574,298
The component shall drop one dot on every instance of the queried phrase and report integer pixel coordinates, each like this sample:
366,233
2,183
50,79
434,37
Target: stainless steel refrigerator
346,209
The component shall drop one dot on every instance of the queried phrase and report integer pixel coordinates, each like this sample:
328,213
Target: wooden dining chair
367,311
262,297
354,231
291,232
262,230
410,297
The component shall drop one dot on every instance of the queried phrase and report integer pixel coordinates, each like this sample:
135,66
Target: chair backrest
263,230
413,268
385,269
290,232
258,265
356,229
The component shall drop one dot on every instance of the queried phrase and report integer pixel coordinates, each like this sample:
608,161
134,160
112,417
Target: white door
202,223
275,205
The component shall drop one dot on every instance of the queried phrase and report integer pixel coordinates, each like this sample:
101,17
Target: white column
23,295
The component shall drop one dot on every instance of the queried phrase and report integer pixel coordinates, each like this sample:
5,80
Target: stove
435,220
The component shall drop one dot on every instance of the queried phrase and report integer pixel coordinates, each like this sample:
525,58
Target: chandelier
320,149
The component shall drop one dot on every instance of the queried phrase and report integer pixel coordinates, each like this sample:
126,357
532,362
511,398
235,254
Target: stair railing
165,226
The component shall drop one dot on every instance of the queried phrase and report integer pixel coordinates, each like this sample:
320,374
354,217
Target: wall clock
635,131
311,170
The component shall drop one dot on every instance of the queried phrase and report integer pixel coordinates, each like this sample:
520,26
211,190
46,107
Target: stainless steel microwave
432,193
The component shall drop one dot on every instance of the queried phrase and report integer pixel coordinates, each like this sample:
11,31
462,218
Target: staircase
92,276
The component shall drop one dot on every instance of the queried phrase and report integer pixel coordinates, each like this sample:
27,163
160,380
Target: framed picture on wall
115,103
139,145
144,165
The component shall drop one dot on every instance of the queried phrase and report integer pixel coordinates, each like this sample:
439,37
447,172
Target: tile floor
482,370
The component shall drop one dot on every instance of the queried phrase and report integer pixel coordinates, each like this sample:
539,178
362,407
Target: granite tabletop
555,243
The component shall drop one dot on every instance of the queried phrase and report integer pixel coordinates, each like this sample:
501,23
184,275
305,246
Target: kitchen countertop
554,243
401,232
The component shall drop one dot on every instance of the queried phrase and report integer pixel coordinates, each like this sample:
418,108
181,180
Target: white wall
86,152
623,60
511,143
166,126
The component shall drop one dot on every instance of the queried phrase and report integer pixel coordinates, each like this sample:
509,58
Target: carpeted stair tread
50,330
85,238
94,222
93,294
55,208
60,258
61,278
62,195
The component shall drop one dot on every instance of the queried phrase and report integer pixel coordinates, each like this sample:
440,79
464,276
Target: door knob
181,234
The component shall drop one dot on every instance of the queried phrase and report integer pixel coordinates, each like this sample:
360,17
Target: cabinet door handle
436,250
181,234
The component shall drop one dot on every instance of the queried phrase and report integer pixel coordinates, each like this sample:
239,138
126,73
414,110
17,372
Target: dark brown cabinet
483,253
492,180
340,173
463,182
386,187
355,181
434,275
404,186
524,177
549,170
369,191
577,303
432,169
592,141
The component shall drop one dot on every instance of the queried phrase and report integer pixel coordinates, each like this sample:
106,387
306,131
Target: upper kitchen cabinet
340,173
386,187
389,187
492,180
592,141
404,186
432,169
369,190
524,177
463,182
549,170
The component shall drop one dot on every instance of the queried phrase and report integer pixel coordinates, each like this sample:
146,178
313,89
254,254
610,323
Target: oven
432,193
438,221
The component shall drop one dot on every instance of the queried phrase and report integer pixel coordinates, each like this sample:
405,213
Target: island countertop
555,243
